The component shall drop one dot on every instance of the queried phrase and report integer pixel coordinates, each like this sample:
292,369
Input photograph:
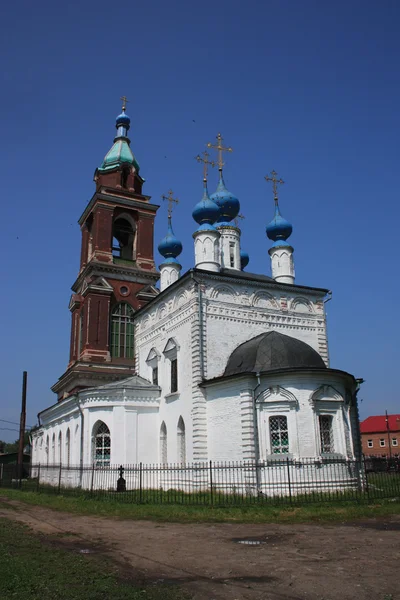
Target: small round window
124,291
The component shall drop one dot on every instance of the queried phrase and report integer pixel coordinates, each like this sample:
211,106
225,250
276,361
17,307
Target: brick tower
117,272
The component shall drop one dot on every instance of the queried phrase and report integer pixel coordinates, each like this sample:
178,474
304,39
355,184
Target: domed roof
278,228
270,351
229,205
206,211
170,247
123,119
244,259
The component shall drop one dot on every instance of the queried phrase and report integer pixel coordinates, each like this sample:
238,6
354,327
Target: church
215,364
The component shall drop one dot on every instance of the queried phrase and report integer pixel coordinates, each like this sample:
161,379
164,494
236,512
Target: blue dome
278,228
205,211
170,246
244,259
229,205
123,119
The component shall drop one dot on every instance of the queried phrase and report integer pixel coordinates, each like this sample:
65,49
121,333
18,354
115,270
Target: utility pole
22,427
388,433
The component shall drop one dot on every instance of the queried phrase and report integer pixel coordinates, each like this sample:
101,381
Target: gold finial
220,149
205,162
124,101
236,219
171,201
275,181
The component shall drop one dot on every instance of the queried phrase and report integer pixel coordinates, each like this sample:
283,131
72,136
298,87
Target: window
181,441
232,254
279,435
382,443
163,444
59,448
81,330
326,433
47,449
123,239
68,447
155,375
174,375
122,338
370,443
53,448
101,445
394,442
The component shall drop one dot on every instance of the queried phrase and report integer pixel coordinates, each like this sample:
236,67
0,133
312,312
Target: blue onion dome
170,247
123,119
229,205
278,229
206,211
244,259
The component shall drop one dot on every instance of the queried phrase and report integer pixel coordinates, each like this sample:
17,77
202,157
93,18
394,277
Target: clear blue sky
308,88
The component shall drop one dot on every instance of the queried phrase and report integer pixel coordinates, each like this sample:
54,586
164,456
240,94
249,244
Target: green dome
119,154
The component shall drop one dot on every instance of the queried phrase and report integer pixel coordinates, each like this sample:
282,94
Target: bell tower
117,272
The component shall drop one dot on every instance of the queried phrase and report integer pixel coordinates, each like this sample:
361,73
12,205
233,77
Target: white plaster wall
224,423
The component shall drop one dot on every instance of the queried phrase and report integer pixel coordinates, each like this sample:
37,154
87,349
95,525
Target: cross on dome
275,181
124,101
220,149
205,162
171,201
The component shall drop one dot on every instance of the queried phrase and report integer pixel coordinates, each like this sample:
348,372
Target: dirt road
284,562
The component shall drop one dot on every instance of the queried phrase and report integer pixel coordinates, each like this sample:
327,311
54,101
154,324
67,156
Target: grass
33,568
321,513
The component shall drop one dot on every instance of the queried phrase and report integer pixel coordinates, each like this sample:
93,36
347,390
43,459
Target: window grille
122,333
155,375
174,375
326,433
279,435
382,443
102,445
181,441
370,443
163,444
68,447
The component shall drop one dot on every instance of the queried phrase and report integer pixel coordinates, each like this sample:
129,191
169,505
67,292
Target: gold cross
171,201
236,219
220,149
205,162
274,182
124,101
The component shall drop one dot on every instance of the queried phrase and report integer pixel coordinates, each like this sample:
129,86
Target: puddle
250,542
272,539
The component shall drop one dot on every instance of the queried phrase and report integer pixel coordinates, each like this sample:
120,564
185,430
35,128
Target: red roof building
380,435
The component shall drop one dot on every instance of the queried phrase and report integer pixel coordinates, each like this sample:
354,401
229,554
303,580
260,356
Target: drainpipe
255,424
81,441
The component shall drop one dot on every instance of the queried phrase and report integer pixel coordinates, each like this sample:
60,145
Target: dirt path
314,562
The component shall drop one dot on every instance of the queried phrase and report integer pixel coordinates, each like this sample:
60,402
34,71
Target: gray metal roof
270,351
133,382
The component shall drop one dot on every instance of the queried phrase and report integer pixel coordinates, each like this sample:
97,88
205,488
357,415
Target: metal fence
279,481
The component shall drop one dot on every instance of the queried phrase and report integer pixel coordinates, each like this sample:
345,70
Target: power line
13,423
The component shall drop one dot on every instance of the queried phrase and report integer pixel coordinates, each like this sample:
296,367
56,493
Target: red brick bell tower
117,272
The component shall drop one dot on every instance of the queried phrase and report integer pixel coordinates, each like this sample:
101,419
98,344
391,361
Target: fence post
59,478
38,478
91,483
211,485
1,474
289,482
140,482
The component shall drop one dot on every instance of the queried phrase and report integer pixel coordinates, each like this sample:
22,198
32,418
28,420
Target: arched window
123,239
53,449
59,454
122,340
163,444
101,444
68,447
181,441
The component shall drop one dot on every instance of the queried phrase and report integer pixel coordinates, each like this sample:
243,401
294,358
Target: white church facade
226,365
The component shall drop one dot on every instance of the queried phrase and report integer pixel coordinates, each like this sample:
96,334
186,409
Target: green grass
34,568
322,512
